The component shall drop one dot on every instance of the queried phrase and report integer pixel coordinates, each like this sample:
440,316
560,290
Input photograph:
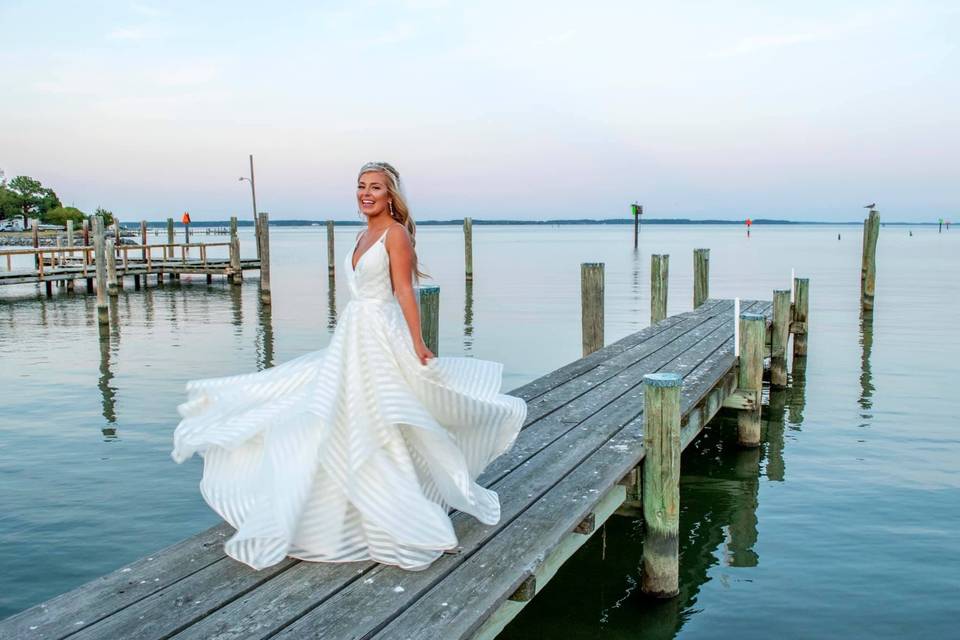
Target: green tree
103,213
60,215
9,203
32,197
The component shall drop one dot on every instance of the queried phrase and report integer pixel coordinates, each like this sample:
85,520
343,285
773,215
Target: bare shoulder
398,237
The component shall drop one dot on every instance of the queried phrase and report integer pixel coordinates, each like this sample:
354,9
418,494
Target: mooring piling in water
868,280
100,260
468,247
430,317
659,281
591,306
749,378
780,336
236,275
701,276
331,255
661,484
801,308
264,226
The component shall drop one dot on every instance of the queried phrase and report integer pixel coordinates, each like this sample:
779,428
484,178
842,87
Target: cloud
128,33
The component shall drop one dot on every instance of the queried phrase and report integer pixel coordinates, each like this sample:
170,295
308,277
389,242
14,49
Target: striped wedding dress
354,452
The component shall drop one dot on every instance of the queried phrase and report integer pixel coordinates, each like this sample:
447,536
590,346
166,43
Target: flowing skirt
354,452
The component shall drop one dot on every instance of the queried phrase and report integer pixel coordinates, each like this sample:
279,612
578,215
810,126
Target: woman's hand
423,352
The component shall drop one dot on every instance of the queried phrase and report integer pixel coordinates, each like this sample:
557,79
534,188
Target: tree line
28,197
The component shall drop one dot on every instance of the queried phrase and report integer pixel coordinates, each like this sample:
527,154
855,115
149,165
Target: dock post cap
782,291
591,264
428,288
663,379
752,316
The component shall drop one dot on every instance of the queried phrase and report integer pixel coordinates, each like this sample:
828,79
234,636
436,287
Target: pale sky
494,109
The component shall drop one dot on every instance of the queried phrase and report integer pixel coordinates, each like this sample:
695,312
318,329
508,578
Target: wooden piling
659,279
85,231
870,234
35,228
237,276
780,336
331,246
661,484
264,225
801,308
100,261
170,235
143,239
468,247
701,276
116,231
111,268
750,376
591,306
430,317
70,235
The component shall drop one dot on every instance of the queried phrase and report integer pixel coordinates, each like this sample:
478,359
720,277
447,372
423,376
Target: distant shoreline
480,221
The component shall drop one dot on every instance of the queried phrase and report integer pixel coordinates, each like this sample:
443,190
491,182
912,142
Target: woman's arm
402,259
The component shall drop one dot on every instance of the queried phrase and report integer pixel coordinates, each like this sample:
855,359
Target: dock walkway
573,466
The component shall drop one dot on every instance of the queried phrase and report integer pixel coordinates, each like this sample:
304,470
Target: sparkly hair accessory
385,168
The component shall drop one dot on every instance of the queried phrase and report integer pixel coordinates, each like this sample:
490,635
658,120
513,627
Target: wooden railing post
264,225
236,277
100,262
430,317
779,338
35,228
111,268
143,239
701,276
750,376
331,254
659,279
591,306
661,484
468,247
801,310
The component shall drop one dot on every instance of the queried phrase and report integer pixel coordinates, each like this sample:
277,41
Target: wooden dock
575,464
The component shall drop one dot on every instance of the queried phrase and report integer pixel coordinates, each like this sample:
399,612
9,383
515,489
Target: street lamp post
253,194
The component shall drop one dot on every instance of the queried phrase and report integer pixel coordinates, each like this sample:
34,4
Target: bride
360,450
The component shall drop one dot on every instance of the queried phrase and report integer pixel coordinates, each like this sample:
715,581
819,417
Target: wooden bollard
143,239
661,484
264,225
111,268
701,276
801,309
750,376
659,278
871,233
430,317
70,235
331,249
468,247
779,338
35,228
591,306
237,276
170,235
100,261
116,231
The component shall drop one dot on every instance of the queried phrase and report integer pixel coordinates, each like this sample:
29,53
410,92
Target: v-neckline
354,265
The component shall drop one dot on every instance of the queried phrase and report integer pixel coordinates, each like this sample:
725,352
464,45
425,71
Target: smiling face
373,196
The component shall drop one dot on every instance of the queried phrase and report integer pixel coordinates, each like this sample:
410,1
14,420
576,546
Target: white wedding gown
353,452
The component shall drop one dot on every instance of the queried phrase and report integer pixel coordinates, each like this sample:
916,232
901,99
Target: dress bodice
371,278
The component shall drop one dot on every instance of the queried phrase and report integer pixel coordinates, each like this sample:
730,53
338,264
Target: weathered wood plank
367,605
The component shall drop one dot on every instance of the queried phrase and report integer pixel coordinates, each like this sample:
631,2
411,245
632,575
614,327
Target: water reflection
236,308
331,302
108,391
264,340
468,318
719,498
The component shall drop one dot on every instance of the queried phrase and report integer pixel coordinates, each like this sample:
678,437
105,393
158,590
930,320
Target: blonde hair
399,210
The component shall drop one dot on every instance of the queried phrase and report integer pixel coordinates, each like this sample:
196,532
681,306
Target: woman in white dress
360,450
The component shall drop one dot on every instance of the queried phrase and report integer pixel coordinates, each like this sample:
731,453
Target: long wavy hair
400,211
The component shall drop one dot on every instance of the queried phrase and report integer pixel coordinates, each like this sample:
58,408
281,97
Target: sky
494,109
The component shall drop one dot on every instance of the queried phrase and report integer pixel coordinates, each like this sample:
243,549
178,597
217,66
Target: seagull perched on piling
870,206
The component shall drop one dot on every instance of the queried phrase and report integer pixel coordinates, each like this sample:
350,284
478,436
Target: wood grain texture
659,280
591,306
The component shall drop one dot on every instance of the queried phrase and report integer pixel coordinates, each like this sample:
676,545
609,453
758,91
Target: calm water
844,523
